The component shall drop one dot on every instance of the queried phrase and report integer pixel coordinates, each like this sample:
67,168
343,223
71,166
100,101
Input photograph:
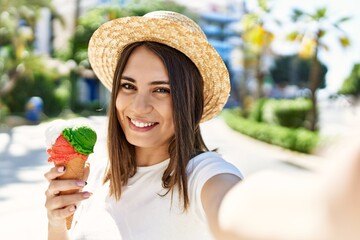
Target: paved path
23,163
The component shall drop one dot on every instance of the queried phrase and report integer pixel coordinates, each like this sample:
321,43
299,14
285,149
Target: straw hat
169,28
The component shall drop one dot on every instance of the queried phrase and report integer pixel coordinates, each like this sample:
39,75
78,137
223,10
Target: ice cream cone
74,169
70,146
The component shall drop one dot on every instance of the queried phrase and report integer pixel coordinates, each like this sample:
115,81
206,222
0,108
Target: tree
92,19
351,85
310,33
256,42
17,28
292,69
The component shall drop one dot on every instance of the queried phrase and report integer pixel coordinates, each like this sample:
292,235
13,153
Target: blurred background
294,65
294,69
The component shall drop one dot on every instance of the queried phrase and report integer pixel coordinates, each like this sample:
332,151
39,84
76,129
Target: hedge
300,139
291,113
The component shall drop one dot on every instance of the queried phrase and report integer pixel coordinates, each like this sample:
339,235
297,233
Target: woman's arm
59,207
212,195
273,205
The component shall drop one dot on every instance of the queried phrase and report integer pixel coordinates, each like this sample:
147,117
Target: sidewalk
23,162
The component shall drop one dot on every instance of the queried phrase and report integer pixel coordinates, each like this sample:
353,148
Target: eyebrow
130,79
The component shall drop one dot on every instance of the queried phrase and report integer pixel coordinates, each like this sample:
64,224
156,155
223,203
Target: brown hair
186,87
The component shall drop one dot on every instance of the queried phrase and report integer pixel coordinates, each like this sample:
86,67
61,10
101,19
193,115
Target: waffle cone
74,169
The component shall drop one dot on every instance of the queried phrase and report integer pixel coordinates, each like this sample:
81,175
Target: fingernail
61,169
86,194
80,183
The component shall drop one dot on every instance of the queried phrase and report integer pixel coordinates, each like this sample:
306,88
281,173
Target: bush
4,111
256,111
45,83
300,140
351,85
290,113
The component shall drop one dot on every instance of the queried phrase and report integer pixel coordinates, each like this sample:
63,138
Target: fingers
60,214
57,186
54,173
59,207
63,206
65,201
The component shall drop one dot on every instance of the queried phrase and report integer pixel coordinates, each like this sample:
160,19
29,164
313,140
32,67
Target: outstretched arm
273,205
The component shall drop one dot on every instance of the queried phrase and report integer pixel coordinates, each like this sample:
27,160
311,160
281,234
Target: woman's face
143,103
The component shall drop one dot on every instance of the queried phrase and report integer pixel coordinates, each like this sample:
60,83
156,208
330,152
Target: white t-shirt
142,213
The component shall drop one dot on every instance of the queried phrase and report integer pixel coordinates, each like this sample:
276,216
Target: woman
162,182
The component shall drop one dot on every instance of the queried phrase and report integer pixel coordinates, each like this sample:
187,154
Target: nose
142,103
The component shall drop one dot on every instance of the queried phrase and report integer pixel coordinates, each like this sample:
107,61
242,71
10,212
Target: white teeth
141,124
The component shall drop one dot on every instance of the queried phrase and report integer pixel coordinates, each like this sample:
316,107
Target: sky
338,60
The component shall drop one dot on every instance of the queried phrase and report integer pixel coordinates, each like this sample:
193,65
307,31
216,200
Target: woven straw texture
172,29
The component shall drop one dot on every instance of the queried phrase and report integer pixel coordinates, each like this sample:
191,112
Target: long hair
186,87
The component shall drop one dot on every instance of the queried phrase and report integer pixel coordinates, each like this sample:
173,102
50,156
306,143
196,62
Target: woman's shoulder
212,163
205,156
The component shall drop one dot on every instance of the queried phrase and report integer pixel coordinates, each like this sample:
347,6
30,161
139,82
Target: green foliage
141,7
312,28
19,65
256,111
351,85
292,69
296,14
300,140
264,5
45,83
4,111
95,17
320,13
291,113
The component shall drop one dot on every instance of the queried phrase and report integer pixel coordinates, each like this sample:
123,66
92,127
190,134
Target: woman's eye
127,86
162,90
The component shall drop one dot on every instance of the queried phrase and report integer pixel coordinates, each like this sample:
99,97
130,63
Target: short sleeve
200,169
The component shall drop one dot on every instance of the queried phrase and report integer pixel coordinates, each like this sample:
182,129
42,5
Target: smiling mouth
142,124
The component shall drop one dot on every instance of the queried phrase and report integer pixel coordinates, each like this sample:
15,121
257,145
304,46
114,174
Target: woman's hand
312,205
59,207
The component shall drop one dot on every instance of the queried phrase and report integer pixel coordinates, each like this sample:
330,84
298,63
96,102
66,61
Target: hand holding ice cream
69,145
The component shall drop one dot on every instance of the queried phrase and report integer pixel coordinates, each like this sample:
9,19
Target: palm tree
256,42
310,34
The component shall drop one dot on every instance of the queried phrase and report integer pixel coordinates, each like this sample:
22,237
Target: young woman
161,181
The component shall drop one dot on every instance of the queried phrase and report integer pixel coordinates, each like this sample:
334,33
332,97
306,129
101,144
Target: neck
149,156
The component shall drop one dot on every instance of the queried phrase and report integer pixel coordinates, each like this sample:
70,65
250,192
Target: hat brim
109,40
